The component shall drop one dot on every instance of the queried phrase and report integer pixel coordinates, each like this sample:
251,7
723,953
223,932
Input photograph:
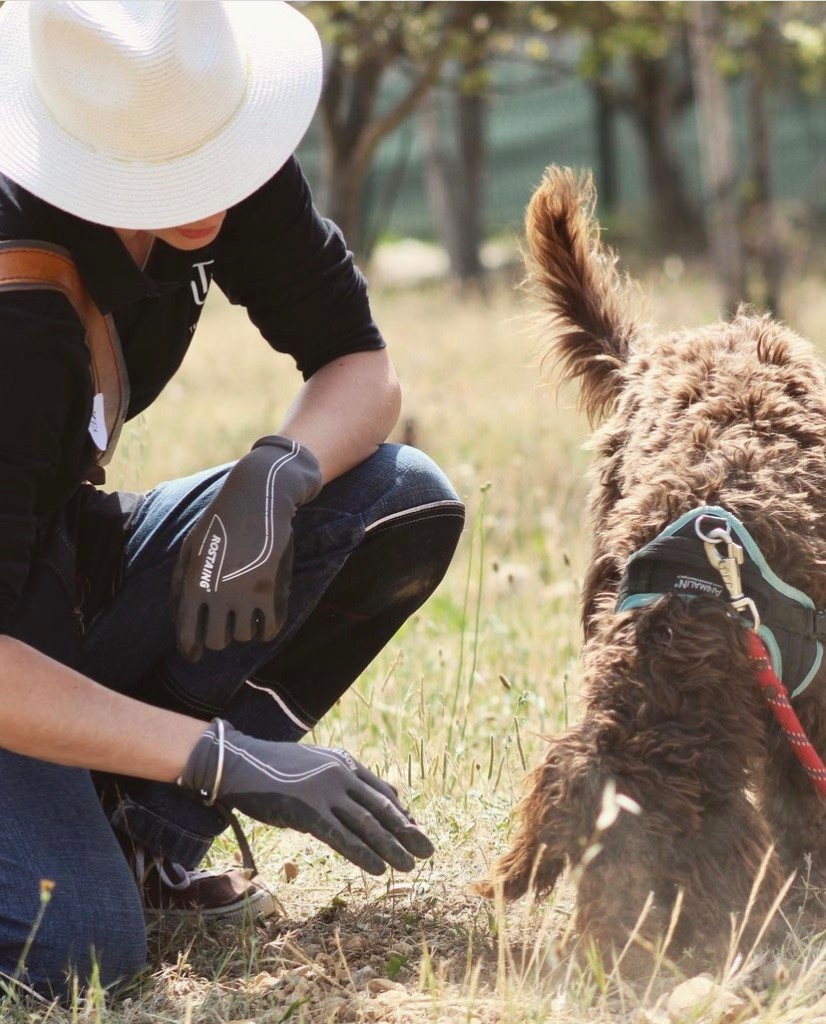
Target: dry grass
452,711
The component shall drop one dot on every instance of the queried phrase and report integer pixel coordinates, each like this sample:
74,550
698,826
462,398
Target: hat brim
284,83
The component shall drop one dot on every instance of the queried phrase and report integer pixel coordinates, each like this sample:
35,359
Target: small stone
384,985
353,944
363,975
400,889
297,985
775,972
331,1008
304,971
701,996
264,982
289,870
393,995
652,1016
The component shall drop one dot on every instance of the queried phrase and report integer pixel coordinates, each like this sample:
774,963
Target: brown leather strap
36,265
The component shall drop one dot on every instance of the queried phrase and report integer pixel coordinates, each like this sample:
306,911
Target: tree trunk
347,106
439,174
344,189
654,112
718,158
455,184
471,117
762,217
351,131
605,117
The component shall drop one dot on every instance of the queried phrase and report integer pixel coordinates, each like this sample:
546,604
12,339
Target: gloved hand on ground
311,789
232,578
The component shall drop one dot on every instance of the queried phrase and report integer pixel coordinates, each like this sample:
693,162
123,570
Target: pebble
652,1016
264,981
384,985
304,970
290,870
331,1008
702,997
363,975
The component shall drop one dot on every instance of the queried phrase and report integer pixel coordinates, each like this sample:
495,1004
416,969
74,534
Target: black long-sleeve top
274,255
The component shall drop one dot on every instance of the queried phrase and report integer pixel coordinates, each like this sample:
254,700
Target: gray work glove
232,579
310,789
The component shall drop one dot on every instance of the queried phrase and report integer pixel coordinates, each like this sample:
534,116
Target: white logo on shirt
200,286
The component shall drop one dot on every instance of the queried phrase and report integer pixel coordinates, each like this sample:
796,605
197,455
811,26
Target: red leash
777,697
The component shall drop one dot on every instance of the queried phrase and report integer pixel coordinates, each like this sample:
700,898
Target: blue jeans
368,551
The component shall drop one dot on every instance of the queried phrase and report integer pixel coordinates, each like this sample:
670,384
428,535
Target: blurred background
704,125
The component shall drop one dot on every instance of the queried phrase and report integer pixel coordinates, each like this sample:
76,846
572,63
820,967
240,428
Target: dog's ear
578,282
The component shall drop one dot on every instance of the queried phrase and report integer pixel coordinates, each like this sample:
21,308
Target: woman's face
192,236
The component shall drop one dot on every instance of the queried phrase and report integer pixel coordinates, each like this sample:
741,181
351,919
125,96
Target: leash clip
728,566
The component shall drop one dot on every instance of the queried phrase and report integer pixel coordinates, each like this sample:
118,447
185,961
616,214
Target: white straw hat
152,113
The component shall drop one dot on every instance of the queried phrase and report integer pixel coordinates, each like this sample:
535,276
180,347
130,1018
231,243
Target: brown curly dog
730,415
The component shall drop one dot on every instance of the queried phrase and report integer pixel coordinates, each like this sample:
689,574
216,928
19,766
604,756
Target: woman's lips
198,232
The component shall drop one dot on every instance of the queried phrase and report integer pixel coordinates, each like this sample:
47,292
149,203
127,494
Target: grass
453,711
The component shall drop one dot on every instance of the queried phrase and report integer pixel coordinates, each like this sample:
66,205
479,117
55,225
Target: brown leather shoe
169,890
234,895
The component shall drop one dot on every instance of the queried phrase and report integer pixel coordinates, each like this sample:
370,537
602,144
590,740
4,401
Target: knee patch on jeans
398,565
408,552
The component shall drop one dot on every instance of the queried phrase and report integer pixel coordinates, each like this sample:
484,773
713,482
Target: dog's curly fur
732,414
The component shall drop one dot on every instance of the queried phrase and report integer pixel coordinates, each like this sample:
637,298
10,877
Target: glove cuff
303,462
204,770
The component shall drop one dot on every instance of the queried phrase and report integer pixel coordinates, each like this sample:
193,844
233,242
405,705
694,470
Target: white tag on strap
97,424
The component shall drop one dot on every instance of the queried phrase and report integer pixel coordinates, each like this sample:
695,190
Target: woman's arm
345,410
53,713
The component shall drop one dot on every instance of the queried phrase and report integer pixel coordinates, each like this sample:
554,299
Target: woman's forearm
345,410
53,713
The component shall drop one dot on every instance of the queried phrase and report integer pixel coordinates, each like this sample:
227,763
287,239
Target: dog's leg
797,813
719,856
556,819
719,869
617,863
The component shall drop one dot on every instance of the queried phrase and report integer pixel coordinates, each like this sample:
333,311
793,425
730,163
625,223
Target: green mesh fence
532,123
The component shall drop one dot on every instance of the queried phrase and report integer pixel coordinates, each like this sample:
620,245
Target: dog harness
708,552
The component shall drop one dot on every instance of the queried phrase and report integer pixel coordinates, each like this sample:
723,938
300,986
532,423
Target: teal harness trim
675,562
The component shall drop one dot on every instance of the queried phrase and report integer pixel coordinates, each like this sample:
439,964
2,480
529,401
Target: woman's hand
311,789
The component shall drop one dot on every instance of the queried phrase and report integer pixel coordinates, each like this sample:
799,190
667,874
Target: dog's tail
578,282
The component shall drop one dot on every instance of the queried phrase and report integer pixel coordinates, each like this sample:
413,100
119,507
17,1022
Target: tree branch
461,16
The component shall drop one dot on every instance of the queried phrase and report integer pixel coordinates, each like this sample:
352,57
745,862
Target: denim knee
421,525
54,829
420,480
82,940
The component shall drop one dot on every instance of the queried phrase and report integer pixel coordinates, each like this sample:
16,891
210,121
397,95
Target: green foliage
387,32
395,963
410,34
792,34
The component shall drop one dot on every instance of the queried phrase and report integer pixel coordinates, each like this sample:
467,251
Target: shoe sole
262,904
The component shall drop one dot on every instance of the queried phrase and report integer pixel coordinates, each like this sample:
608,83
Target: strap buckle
728,566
